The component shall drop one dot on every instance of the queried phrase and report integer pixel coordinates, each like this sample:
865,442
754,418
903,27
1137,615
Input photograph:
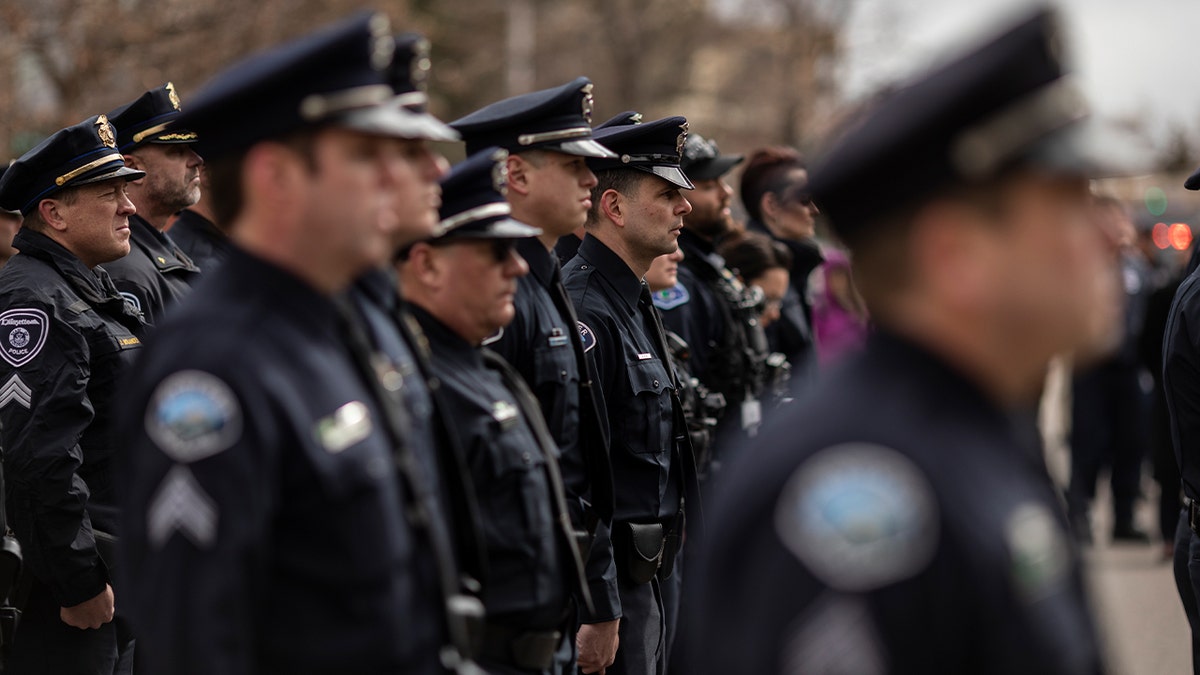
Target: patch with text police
587,336
670,298
193,415
859,517
23,334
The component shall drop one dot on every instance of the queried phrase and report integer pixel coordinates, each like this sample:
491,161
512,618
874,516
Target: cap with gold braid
78,155
149,118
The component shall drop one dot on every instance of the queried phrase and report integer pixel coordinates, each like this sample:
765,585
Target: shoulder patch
193,415
587,336
23,333
671,298
133,300
859,517
1038,550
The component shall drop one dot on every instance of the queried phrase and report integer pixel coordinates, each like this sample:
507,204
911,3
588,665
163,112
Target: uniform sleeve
196,512
45,411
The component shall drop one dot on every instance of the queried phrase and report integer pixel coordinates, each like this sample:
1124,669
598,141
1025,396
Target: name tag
505,413
557,339
645,357
348,425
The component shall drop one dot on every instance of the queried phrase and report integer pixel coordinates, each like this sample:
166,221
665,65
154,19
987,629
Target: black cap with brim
81,154
702,159
474,205
150,118
392,119
653,147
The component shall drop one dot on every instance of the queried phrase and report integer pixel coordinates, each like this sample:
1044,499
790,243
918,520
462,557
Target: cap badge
419,72
682,139
172,96
383,43
500,171
588,102
106,132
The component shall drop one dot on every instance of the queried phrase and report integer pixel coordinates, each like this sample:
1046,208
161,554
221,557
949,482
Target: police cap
78,155
314,81
146,120
654,147
620,120
1004,105
474,205
556,119
703,161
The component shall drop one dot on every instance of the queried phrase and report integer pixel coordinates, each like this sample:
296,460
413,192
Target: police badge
500,171
22,335
682,139
172,96
588,102
419,70
108,135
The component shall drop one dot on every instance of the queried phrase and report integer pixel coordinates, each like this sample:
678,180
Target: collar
378,285
613,269
696,247
279,287
541,263
443,342
188,217
94,286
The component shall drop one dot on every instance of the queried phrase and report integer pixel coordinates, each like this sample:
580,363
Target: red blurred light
1160,235
1180,236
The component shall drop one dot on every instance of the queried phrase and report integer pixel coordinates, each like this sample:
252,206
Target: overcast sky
1136,58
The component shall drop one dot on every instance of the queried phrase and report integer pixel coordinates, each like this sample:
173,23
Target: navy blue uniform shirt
200,240
264,526
891,522
1181,381
155,274
66,336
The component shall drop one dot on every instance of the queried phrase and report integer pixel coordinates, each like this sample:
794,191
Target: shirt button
583,267
656,383
527,458
563,375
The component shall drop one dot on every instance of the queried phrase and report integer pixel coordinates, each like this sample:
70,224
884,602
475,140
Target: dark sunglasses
502,249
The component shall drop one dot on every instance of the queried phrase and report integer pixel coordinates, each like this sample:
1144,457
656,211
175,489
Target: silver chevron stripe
181,505
15,391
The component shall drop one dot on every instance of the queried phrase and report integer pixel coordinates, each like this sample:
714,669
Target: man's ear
519,170
51,212
273,172
425,265
135,162
768,205
954,253
613,206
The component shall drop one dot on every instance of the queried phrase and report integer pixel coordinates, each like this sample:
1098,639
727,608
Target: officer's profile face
774,284
172,181
664,271
552,190
468,284
789,209
654,213
416,169
92,222
711,216
346,195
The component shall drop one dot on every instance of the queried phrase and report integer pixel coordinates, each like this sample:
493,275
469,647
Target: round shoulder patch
193,415
859,517
587,336
671,298
22,335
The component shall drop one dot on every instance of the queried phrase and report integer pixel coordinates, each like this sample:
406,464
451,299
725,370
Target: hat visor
713,168
394,121
582,148
672,174
120,172
503,228
1093,149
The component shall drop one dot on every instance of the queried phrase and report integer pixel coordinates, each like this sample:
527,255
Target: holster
640,547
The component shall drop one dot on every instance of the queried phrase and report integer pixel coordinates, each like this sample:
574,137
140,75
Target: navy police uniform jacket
892,523
527,584
264,527
200,240
634,383
66,335
1181,381
539,345
155,274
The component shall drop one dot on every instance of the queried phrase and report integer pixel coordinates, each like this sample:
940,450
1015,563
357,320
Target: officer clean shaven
268,527
66,336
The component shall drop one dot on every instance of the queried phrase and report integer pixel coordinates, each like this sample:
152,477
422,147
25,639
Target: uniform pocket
646,429
556,383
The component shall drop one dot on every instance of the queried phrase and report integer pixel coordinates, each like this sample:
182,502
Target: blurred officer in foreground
548,135
1181,389
66,335
197,234
461,285
156,273
892,522
636,215
268,528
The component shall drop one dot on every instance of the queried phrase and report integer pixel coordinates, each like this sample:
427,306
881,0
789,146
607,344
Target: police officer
710,308
156,273
636,214
548,135
460,285
893,522
270,524
196,233
66,335
10,223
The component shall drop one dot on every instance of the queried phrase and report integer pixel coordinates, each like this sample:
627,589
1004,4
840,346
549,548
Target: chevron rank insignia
16,391
181,505
670,298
